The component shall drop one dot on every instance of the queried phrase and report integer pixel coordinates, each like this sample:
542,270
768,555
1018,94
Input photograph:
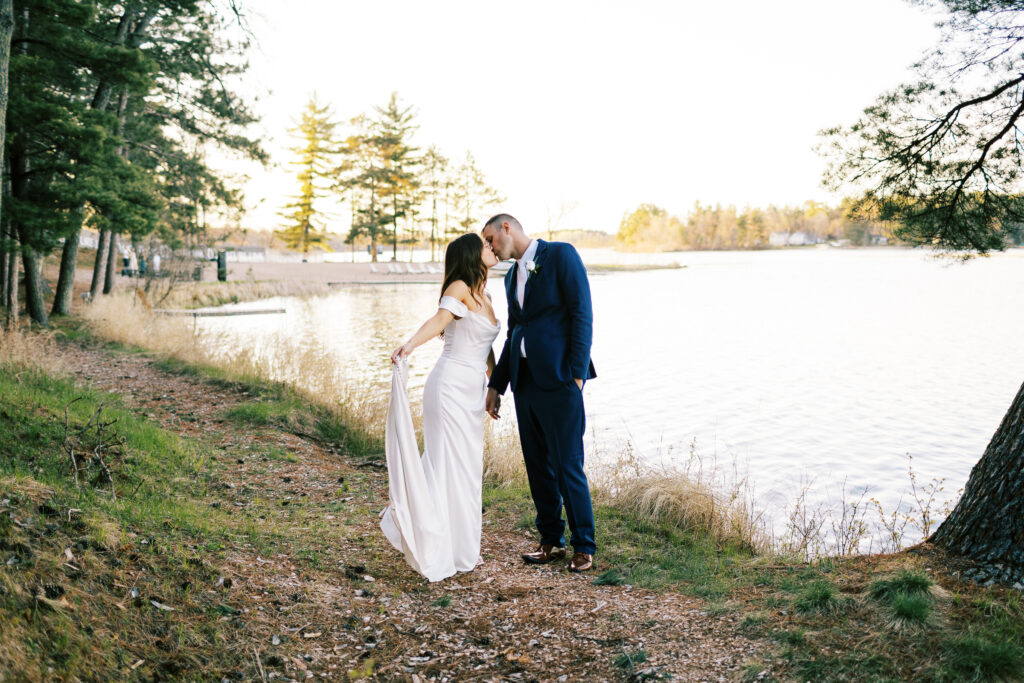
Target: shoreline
347,274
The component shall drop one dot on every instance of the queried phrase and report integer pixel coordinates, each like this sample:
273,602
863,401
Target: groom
546,358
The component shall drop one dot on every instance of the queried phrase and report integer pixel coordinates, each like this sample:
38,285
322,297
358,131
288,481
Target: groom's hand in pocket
493,403
579,383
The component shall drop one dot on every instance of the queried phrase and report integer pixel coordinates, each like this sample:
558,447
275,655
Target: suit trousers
551,425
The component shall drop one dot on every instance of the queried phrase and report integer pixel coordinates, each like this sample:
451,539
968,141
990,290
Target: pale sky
599,104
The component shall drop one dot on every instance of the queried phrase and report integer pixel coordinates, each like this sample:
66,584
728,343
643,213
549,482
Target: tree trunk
6,32
98,268
987,524
108,279
11,300
66,279
5,247
433,227
32,266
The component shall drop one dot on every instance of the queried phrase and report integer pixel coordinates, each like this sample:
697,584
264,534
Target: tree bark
987,524
32,265
4,248
66,279
11,300
30,260
98,268
108,279
6,32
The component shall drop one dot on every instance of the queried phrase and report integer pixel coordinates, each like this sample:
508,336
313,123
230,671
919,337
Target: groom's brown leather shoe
581,562
543,554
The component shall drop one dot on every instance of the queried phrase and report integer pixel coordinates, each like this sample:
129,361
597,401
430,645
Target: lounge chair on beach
415,270
395,268
373,268
431,269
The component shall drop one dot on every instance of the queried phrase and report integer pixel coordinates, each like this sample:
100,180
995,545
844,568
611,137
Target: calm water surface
810,364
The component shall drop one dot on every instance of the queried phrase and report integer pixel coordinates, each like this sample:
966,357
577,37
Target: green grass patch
610,577
978,658
911,609
904,583
819,596
628,660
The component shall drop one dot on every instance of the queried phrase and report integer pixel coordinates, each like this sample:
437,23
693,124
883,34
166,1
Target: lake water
826,365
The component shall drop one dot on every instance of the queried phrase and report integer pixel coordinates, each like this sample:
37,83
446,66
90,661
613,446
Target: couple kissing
434,516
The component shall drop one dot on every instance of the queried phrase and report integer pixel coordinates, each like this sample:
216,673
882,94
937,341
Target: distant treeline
651,228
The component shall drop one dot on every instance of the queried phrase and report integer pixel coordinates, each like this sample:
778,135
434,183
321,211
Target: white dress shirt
521,275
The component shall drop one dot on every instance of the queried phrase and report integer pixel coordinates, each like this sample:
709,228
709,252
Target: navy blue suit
556,322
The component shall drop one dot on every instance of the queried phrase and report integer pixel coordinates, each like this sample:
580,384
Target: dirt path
328,598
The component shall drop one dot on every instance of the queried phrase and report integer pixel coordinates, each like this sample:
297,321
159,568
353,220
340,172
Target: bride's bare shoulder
459,290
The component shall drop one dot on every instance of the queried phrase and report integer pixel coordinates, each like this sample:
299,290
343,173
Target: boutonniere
531,269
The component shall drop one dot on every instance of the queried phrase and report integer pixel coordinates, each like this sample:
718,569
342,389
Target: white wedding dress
434,514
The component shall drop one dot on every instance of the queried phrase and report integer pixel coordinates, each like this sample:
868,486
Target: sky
596,106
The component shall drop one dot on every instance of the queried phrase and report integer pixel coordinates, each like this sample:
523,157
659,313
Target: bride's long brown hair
462,261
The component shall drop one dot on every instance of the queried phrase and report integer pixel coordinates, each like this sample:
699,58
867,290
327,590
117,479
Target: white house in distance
792,239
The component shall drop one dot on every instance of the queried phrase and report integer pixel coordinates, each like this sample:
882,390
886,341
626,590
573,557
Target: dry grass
503,456
28,351
695,497
197,295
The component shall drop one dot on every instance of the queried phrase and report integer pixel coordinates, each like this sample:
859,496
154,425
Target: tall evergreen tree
394,128
362,175
316,152
435,180
473,196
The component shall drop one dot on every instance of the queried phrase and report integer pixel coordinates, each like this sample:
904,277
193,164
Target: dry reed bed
174,295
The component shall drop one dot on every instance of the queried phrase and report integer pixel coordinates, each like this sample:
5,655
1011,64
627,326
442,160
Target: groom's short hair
497,219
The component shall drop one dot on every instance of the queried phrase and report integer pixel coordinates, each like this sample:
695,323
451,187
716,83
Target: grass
911,609
204,294
610,577
904,583
819,596
977,658
73,615
908,595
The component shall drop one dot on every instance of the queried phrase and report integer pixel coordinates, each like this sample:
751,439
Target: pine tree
473,196
394,126
435,179
362,175
316,131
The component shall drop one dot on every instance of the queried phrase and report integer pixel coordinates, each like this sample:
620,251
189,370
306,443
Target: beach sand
334,273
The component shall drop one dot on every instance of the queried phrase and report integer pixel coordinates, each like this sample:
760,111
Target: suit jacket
556,321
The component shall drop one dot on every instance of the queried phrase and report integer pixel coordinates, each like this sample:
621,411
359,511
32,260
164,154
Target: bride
434,515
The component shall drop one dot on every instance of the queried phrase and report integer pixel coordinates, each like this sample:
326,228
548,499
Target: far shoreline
341,274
